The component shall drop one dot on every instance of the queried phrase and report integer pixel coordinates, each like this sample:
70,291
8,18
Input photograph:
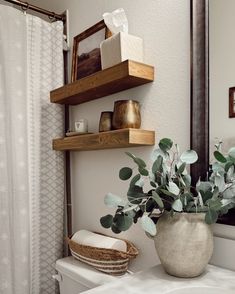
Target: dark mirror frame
199,124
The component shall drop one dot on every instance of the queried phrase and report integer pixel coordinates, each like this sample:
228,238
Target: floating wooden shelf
125,75
106,140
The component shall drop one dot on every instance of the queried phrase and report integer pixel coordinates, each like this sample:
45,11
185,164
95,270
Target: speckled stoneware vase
184,243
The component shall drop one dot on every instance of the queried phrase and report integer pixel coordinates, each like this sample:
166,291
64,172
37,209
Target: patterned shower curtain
31,173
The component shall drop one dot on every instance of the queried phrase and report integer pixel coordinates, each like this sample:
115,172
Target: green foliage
171,188
148,225
219,156
107,221
165,144
189,156
125,173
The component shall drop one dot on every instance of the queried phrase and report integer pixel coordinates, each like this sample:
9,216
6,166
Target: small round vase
105,124
126,114
184,243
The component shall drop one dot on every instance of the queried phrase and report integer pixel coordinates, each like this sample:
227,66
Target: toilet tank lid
82,273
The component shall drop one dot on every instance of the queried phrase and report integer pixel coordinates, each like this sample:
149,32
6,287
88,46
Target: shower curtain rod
25,6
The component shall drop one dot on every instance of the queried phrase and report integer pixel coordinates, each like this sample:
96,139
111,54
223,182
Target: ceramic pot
184,243
126,114
105,121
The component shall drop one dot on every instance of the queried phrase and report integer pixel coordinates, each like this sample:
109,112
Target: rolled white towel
88,238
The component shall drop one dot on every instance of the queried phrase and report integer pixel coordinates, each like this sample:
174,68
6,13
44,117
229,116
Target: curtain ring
52,17
25,8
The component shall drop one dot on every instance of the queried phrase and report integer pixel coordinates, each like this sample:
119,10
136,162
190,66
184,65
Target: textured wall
165,27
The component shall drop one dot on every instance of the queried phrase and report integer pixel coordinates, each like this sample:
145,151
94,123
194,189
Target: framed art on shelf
86,58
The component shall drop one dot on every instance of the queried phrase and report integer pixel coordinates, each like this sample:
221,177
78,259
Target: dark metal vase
126,114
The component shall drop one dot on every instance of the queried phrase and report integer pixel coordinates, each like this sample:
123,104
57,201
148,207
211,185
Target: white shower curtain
31,174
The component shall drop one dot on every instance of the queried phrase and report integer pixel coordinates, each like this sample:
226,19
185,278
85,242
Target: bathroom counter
155,280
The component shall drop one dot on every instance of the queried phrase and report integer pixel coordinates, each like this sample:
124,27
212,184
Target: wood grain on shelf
106,140
122,76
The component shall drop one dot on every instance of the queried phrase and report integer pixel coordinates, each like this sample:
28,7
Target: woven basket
109,261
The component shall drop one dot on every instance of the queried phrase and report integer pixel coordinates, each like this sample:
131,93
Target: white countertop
156,281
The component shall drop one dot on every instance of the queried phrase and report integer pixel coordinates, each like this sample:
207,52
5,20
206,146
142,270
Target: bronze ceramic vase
126,114
105,121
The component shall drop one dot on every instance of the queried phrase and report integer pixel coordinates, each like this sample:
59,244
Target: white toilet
75,277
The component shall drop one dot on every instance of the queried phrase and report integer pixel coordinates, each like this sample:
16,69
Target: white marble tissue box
121,47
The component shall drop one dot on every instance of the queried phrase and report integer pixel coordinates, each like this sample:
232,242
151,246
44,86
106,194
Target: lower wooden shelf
106,140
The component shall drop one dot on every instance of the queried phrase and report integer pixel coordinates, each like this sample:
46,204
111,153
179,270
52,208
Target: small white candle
81,126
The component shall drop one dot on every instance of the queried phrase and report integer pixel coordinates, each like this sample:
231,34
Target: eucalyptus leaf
165,144
158,199
153,184
143,172
130,155
125,173
200,199
181,169
228,165
231,152
150,205
137,160
135,179
228,203
129,208
135,194
140,182
173,188
106,221
140,162
230,173
148,225
215,193
157,165
219,182
115,229
214,204
113,201
187,179
203,186
216,167
123,222
177,205
206,196
158,152
219,156
168,193
211,216
229,193
189,156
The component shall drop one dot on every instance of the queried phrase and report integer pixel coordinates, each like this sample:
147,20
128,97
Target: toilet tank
75,277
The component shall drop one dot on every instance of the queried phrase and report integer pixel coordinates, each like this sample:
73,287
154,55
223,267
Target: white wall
165,27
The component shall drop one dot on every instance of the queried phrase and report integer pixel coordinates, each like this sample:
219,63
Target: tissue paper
116,21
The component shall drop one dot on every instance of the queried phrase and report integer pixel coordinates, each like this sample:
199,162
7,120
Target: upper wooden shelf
106,140
125,75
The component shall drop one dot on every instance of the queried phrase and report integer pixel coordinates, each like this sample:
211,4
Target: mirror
221,73
212,82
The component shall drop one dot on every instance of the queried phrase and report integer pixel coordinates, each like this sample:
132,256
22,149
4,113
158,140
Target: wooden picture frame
199,124
77,39
232,102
